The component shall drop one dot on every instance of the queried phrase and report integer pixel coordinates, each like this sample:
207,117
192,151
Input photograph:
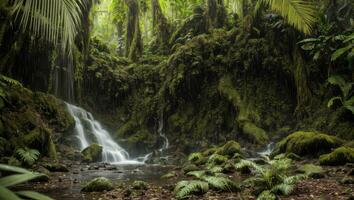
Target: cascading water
85,124
268,150
162,134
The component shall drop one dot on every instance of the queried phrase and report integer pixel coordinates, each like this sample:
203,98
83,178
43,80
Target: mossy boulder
312,171
307,144
99,184
169,175
339,156
92,153
229,149
56,167
140,185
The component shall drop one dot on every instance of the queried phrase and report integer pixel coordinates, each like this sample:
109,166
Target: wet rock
339,156
140,185
312,171
76,172
169,175
347,180
43,178
307,144
55,167
98,185
111,167
229,149
76,181
92,153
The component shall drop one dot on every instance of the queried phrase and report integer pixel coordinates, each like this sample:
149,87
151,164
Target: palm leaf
332,100
18,178
7,194
50,20
299,13
9,168
33,195
339,52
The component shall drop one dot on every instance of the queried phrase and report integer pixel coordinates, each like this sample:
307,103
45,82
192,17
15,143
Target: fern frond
186,188
295,179
250,164
299,13
28,156
283,188
221,183
197,174
266,195
9,81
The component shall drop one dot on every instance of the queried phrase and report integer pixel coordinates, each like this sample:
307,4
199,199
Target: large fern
28,156
347,98
299,13
221,183
186,188
21,175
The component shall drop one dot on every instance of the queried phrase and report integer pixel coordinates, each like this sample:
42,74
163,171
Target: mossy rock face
312,171
140,185
92,153
307,144
339,156
229,149
254,133
99,184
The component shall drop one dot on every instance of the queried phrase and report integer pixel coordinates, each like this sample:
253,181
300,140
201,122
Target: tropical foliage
28,156
20,176
346,88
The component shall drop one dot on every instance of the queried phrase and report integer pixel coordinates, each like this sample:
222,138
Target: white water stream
84,124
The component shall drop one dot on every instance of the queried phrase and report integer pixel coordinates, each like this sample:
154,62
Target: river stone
140,185
312,171
98,185
56,167
92,153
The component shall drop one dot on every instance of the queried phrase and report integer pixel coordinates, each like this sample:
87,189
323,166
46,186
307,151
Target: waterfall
162,134
85,124
268,150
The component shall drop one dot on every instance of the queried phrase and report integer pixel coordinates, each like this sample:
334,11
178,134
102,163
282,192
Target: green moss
339,156
92,153
169,175
254,133
312,171
99,184
140,185
197,158
307,143
216,159
229,149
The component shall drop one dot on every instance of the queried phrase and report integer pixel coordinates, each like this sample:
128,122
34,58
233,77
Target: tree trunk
161,26
134,45
216,14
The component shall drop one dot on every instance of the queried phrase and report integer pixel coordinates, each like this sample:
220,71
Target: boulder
56,167
92,153
229,149
339,156
312,171
140,185
98,185
307,144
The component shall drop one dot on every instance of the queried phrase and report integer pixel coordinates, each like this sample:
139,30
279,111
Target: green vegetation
307,144
20,176
221,80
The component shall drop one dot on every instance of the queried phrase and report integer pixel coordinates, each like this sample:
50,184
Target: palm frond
221,183
186,188
299,13
50,20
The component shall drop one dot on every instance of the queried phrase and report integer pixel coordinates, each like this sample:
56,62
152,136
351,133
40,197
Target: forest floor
67,185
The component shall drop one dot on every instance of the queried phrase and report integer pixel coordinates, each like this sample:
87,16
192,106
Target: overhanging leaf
18,178
33,195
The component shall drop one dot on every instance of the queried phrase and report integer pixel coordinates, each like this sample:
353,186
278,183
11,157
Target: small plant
347,98
21,175
206,180
185,188
272,179
27,156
